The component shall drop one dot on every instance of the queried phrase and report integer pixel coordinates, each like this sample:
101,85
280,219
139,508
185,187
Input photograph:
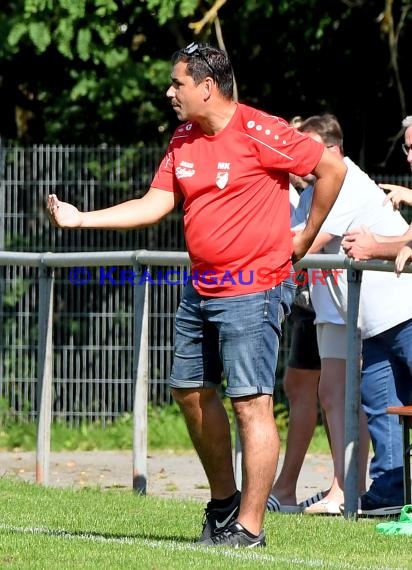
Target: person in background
229,163
400,194
361,243
331,338
385,320
300,386
301,378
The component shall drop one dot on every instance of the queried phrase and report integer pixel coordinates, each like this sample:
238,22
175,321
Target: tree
96,71
80,71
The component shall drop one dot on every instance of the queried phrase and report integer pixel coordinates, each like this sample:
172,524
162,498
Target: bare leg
301,389
209,429
332,399
260,453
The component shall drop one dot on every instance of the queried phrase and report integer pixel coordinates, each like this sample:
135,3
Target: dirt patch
170,474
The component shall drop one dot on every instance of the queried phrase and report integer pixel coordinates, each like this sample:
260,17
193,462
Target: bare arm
137,213
330,174
362,244
320,241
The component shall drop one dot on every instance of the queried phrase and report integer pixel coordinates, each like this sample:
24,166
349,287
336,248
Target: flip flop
323,507
273,505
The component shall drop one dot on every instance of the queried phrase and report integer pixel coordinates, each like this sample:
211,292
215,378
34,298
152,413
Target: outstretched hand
397,195
359,243
62,214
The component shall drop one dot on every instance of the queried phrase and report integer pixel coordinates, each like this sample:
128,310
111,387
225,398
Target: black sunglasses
193,49
406,148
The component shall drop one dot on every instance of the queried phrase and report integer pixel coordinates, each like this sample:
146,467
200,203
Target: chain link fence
93,322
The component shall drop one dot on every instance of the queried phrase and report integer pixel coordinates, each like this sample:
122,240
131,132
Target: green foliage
16,34
94,71
63,37
84,38
166,430
167,10
15,291
39,35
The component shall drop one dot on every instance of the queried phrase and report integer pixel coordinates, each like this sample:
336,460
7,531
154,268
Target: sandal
314,499
273,505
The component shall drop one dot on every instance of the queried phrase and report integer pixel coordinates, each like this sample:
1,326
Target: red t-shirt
235,189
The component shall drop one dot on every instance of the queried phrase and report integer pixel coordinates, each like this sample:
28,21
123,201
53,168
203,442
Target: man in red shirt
229,164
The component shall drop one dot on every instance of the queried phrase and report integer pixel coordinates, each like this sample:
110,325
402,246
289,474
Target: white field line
237,554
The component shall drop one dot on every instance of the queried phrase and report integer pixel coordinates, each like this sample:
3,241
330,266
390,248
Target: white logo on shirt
185,170
222,179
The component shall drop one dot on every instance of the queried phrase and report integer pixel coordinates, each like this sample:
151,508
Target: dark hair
204,60
327,127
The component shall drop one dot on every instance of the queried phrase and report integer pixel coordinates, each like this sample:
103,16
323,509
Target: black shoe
235,536
217,520
370,508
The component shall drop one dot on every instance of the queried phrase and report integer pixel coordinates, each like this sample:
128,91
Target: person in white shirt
385,318
361,243
331,336
300,385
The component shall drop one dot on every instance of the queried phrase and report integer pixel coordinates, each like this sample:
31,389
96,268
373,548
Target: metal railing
140,260
92,323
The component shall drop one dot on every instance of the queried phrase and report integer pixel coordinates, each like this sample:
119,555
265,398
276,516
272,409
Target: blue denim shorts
232,338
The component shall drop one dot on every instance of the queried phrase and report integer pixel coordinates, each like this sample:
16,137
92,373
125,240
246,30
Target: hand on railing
359,244
404,255
62,214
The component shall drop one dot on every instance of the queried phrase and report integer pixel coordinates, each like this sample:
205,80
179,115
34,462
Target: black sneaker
217,520
369,508
235,536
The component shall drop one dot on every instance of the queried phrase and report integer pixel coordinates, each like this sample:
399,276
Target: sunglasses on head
195,50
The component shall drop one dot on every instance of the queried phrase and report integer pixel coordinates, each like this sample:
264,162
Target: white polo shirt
385,299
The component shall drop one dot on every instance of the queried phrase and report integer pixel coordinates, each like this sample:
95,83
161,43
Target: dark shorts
235,338
303,351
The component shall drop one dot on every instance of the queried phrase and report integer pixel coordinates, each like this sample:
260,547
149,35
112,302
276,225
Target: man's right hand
300,246
62,214
359,244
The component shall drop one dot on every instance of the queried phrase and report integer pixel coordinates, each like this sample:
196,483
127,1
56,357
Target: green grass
90,528
166,430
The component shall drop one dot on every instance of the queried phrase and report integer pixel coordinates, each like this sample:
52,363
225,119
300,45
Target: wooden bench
405,419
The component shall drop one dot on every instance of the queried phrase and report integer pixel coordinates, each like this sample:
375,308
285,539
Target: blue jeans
234,336
387,381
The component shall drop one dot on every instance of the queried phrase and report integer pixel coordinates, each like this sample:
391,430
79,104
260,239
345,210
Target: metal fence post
352,395
45,373
140,380
2,243
238,458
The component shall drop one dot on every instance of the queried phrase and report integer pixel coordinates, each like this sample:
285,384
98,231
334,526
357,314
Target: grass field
47,528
